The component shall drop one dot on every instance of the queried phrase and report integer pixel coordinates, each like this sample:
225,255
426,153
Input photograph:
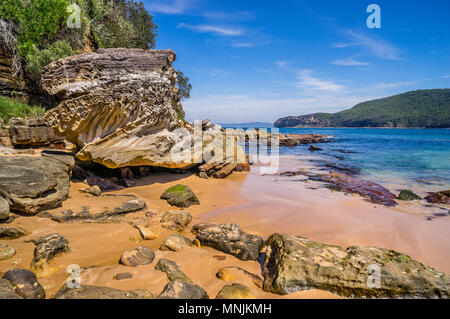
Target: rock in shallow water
12,233
230,239
442,197
7,290
295,263
406,194
181,196
25,283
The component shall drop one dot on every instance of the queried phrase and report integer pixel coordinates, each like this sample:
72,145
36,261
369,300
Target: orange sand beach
261,205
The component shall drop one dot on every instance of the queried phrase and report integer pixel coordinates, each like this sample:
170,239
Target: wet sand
262,205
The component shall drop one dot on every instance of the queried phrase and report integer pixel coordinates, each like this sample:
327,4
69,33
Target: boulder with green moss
181,196
406,194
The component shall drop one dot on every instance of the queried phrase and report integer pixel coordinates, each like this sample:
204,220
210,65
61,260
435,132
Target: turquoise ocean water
401,158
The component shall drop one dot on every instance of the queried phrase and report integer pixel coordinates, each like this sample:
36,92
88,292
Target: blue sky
260,60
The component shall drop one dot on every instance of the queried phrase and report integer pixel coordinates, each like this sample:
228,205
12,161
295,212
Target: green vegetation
421,108
10,108
177,189
44,35
183,85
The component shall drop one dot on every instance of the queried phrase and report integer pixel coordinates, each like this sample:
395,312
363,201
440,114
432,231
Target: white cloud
394,85
446,76
376,47
349,62
307,81
226,31
173,7
281,63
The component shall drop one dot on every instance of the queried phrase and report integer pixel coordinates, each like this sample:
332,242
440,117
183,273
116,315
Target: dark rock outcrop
299,139
230,239
109,215
172,270
295,263
96,292
180,196
47,247
25,283
442,197
182,290
12,232
33,184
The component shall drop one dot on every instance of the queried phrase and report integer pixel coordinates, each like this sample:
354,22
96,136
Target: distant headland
414,109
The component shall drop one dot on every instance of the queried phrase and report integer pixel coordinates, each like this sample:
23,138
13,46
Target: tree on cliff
184,85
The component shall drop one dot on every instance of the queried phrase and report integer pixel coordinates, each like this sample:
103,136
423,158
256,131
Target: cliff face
12,82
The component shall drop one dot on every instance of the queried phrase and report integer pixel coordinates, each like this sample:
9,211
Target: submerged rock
25,283
295,263
172,270
182,290
235,291
176,220
230,239
406,194
137,256
315,148
47,247
181,196
175,242
96,292
33,184
374,192
442,197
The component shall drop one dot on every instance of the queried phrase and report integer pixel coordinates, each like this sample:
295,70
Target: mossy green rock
406,194
294,263
180,196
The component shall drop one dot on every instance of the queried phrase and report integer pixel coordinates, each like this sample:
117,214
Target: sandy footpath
262,205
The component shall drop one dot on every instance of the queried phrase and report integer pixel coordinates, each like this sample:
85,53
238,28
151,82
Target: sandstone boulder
6,252
4,209
175,242
230,239
294,263
137,256
172,270
96,292
176,220
12,232
182,290
235,291
33,184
